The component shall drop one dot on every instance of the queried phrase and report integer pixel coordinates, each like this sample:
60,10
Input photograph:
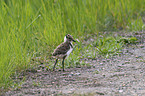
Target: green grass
30,28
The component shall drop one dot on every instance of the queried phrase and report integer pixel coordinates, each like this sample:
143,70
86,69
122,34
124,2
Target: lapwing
63,50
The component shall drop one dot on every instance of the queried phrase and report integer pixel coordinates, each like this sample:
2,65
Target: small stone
120,91
98,60
70,75
138,56
77,73
141,46
123,85
140,89
39,70
101,63
103,60
108,60
103,75
127,62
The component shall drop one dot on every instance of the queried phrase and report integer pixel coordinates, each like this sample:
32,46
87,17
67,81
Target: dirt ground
121,75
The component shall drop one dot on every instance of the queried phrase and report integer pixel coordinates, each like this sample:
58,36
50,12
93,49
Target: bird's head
68,38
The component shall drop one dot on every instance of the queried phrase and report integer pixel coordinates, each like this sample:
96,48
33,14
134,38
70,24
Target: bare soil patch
121,75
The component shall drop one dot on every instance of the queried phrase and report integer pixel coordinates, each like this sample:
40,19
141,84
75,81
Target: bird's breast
69,51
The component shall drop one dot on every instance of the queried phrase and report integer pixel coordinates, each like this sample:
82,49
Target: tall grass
28,26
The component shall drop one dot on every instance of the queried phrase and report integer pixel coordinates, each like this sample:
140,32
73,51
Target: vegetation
33,27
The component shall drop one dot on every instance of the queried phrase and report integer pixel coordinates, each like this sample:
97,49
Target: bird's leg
55,64
63,63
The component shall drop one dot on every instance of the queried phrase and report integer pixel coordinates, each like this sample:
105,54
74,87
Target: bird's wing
61,49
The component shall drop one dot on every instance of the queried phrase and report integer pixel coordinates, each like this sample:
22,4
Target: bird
63,50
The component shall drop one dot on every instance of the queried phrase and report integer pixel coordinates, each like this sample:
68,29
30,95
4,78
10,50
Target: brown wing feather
61,49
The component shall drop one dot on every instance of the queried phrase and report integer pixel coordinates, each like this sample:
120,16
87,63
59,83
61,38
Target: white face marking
65,39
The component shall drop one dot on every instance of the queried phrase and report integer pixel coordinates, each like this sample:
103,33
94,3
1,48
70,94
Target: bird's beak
73,40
